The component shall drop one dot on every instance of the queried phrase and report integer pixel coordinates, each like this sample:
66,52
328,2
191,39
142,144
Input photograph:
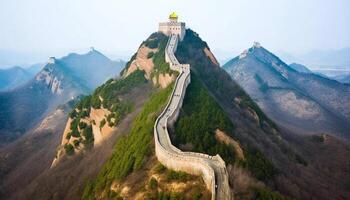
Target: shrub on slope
200,116
131,151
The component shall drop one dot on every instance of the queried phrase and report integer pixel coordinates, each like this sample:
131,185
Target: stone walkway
211,168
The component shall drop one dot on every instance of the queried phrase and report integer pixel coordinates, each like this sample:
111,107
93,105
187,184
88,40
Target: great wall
211,168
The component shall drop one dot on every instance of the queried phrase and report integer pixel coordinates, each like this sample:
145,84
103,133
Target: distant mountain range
13,77
300,68
303,102
322,58
60,80
340,75
11,58
35,68
343,78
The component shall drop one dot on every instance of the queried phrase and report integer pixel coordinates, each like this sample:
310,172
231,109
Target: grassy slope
131,151
222,90
109,92
200,116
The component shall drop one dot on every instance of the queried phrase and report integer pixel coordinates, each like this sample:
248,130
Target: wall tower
173,26
51,60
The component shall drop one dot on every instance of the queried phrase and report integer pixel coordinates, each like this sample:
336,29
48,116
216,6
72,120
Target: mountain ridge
58,82
270,81
265,160
13,77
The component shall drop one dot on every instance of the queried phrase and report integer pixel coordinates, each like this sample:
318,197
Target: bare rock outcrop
100,132
223,137
142,61
211,56
163,80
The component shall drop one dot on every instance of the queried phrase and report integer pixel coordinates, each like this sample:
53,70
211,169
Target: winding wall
211,168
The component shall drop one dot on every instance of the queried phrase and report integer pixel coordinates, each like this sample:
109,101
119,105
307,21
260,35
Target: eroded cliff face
100,129
48,77
144,59
99,114
226,139
211,56
163,80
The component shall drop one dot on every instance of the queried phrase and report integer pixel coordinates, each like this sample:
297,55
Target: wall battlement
211,168
173,27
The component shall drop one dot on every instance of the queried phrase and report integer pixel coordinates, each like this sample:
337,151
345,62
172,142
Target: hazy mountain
339,57
12,58
59,81
92,68
321,58
13,77
35,68
305,103
345,78
300,68
27,157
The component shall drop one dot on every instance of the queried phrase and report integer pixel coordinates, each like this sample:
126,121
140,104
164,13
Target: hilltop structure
51,60
173,26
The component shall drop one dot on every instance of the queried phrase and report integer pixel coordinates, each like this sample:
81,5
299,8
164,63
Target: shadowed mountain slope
58,82
300,68
304,103
273,156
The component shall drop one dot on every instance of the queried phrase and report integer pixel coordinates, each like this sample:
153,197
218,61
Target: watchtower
173,26
52,60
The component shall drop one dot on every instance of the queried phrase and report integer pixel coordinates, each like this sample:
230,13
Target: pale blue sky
48,27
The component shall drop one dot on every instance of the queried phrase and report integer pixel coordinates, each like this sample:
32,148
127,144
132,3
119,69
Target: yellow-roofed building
173,15
173,26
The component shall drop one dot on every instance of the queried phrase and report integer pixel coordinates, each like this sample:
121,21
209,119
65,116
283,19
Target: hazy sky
113,26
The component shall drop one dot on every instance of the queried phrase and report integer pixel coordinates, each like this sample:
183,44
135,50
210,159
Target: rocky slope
26,158
304,103
99,114
59,81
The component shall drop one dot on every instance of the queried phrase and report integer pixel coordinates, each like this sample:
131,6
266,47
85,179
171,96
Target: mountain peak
52,60
256,45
